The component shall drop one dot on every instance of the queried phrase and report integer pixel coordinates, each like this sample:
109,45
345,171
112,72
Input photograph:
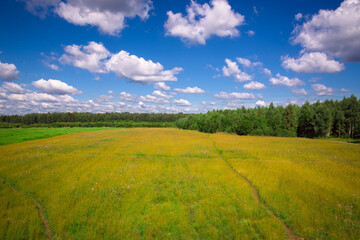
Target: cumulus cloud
108,15
33,96
190,90
260,103
313,62
161,94
20,101
182,102
203,21
245,62
162,86
336,32
232,69
285,81
299,92
87,57
12,87
153,99
235,95
8,72
138,69
267,72
57,87
253,85
104,98
95,58
128,97
322,90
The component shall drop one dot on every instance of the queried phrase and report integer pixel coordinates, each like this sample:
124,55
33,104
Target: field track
170,183
38,205
289,232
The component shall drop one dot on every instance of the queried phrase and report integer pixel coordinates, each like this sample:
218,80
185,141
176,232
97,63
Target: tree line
85,117
320,119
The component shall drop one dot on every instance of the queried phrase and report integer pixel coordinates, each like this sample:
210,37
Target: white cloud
162,86
260,103
343,90
104,98
53,86
95,58
314,62
250,33
294,102
322,90
52,66
128,97
299,92
161,94
87,57
8,72
154,99
232,69
285,81
245,62
235,95
12,87
267,72
336,32
298,16
138,69
190,90
203,21
109,16
30,101
182,102
253,85
33,96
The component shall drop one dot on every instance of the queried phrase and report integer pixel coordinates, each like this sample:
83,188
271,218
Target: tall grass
172,184
313,185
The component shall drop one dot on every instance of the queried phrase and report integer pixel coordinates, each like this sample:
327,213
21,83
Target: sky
175,56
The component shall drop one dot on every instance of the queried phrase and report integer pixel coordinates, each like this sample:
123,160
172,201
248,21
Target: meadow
179,184
18,135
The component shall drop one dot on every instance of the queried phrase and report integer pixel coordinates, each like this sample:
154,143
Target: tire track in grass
38,205
290,233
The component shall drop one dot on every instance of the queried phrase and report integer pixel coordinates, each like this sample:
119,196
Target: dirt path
289,232
38,205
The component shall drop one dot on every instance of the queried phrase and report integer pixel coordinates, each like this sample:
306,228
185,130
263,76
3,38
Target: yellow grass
173,184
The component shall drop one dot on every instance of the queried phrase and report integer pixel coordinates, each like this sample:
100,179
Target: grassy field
175,184
18,135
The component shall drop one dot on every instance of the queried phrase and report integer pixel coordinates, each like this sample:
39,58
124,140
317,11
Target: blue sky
175,56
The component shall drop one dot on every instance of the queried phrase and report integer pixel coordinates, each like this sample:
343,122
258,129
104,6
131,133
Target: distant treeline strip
84,117
89,124
320,119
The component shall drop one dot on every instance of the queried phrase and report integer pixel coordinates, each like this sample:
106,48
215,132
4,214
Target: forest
319,119
85,119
